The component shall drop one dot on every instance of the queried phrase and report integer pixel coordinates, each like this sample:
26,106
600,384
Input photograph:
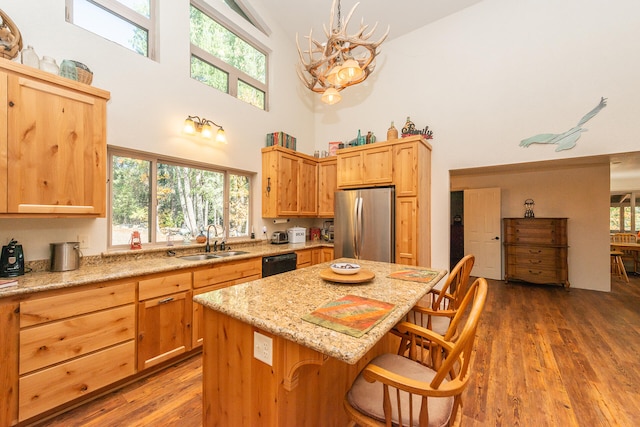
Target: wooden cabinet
53,145
309,257
289,183
164,318
368,165
405,164
536,250
304,258
74,343
327,185
219,276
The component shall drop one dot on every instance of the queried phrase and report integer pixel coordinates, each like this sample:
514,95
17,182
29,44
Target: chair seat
439,324
366,397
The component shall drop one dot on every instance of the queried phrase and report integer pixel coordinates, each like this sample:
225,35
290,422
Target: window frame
154,159
126,14
234,74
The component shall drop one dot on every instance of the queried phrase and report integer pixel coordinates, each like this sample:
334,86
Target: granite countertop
124,264
276,304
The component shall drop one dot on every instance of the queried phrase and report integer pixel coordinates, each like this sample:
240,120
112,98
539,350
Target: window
624,213
226,61
161,198
130,23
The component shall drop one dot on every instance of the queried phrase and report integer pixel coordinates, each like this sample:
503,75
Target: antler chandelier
342,61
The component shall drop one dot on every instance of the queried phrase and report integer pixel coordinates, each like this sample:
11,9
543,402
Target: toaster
279,237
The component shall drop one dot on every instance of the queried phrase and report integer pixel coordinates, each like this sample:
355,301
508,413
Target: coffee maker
12,260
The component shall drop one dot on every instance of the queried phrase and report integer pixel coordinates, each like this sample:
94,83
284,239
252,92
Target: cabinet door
327,185
308,187
56,149
406,169
288,182
378,166
349,169
304,258
406,230
164,328
326,254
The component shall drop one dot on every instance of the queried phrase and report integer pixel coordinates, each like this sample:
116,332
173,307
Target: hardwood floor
543,357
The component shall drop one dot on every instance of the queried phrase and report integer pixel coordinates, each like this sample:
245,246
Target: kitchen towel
351,314
422,275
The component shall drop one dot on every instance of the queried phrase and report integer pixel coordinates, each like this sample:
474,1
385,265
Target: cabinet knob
11,104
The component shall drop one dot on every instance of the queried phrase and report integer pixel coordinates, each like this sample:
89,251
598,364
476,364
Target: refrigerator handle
359,227
355,228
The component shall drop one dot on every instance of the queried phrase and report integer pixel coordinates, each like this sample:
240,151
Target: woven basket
10,37
84,73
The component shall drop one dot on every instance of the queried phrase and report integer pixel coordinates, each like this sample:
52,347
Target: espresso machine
12,260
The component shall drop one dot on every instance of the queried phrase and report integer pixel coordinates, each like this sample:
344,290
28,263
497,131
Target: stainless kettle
65,256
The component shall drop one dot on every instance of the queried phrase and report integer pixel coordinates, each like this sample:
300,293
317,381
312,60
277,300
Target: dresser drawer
62,383
45,345
535,274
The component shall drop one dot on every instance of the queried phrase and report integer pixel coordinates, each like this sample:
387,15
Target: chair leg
620,270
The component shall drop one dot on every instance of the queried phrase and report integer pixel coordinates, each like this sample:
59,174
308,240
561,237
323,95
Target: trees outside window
130,23
161,199
224,60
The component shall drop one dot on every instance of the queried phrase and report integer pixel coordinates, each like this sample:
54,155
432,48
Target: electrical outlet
263,348
264,229
83,240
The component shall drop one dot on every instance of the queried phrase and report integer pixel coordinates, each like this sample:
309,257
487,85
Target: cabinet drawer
303,258
59,384
163,285
535,252
41,310
229,273
55,342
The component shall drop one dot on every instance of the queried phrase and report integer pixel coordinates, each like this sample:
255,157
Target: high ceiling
404,16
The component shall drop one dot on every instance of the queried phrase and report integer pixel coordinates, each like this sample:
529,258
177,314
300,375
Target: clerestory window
130,23
225,60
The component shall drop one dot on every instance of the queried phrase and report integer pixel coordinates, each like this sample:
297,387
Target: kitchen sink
198,257
202,257
229,253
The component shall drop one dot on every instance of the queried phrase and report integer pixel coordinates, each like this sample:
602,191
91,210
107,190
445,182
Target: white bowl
345,268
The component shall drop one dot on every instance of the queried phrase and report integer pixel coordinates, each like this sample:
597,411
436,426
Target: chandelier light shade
195,125
342,61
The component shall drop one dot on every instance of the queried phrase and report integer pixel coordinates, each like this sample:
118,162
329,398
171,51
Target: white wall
496,73
578,193
150,100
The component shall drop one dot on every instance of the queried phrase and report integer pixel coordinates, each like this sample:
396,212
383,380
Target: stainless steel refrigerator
364,224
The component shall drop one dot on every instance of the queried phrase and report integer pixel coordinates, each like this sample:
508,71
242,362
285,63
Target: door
377,225
482,231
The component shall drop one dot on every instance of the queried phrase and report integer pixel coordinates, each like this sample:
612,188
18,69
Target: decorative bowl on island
345,268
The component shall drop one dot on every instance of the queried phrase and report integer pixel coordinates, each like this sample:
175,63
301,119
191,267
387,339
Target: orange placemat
423,275
351,314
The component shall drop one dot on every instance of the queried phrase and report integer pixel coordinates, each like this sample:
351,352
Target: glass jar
49,65
30,57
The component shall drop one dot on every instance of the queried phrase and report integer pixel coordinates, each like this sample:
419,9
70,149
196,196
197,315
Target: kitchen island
311,367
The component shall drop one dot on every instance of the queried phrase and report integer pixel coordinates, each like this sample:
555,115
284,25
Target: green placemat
423,275
351,315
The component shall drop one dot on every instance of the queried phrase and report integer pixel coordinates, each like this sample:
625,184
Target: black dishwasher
277,264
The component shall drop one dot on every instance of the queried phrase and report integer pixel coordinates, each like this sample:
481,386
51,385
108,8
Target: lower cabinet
164,318
72,343
309,257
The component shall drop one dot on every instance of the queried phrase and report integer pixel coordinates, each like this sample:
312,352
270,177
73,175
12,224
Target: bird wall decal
567,139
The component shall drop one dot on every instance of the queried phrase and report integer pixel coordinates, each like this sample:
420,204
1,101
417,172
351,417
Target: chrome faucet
207,248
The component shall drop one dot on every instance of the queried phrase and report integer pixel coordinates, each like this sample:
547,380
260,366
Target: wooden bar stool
617,266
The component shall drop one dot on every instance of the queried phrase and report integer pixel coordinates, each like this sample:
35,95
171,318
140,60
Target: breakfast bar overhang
312,366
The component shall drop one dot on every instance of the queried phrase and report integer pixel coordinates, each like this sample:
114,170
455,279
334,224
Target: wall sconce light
194,125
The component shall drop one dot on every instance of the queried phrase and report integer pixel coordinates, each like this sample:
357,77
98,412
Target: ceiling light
194,125
333,64
331,96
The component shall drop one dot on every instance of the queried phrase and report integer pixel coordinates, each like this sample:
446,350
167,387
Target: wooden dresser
536,250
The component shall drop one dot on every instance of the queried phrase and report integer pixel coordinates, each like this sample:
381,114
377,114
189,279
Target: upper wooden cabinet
327,186
289,183
53,151
367,165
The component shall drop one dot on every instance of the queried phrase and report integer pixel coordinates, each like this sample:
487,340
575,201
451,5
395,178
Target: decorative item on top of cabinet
409,129
10,37
536,250
392,132
53,155
528,208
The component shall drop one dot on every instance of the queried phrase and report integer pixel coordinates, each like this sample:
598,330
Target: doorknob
496,238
